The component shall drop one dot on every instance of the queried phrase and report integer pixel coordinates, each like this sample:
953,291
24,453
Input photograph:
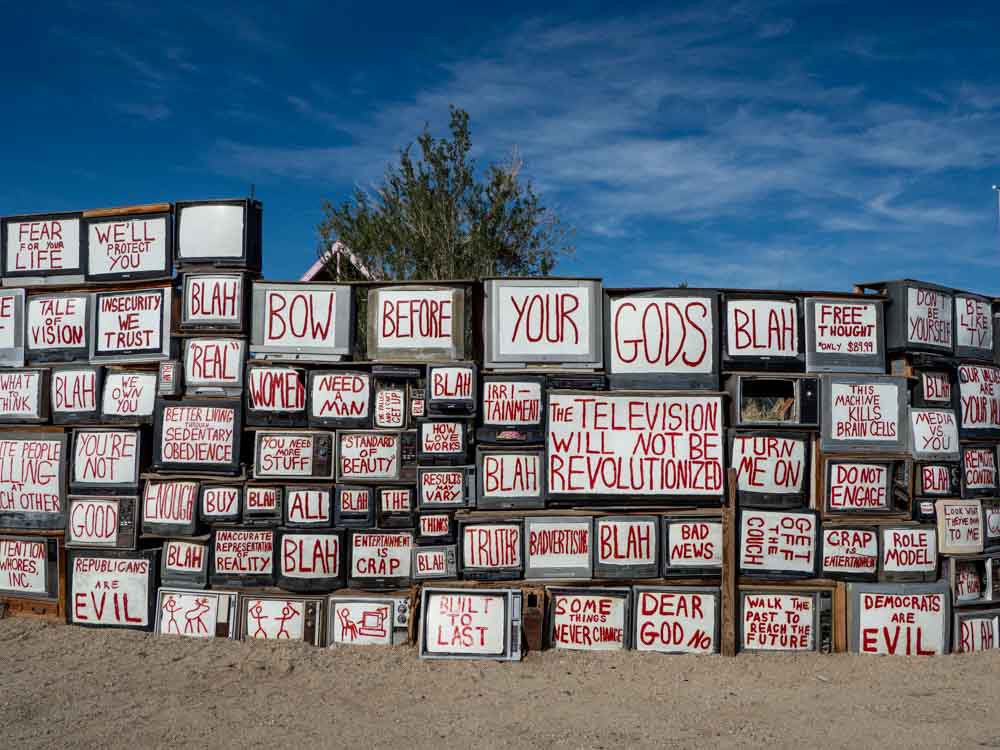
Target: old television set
445,487
627,546
75,394
102,521
991,524
24,396
558,547
933,389
692,546
452,389
959,526
308,506
908,552
392,405
33,480
918,316
32,563
497,614
219,233
934,434
975,630
395,505
977,404
902,619
979,470
310,559
510,478
12,328
198,435
302,322
765,626
263,504
215,301
937,479
372,620
128,397
283,617
850,553
443,440
973,326
773,400
369,456
573,625
970,578
170,507
206,614
185,562
778,544
340,399
861,486
42,249
214,366
762,332
107,460
170,379
676,619
132,326
543,322
419,322
864,414
129,244
772,468
436,528
435,562
844,334
242,556
491,548
58,327
380,559
513,409
662,339
275,395
220,503
111,589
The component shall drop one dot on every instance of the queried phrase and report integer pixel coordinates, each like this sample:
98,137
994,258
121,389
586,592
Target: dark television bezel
380,582
47,355
129,521
51,592
36,519
278,417
629,571
174,578
552,593
968,493
508,433
689,571
150,555
514,502
840,575
286,507
27,278
776,590
77,416
215,386
984,354
256,517
713,592
164,272
532,572
242,580
231,468
158,353
310,584
106,488
352,423
465,407
817,361
174,528
468,494
222,325
830,461
227,518
758,362
450,551
480,573
779,574
249,258
776,500
44,388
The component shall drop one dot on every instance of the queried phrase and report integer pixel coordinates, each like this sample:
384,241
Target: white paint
210,231
362,623
935,479
769,464
129,394
991,521
432,563
127,245
979,394
214,361
489,546
778,622
442,487
884,627
274,390
973,323
451,384
20,393
979,467
346,396
936,387
184,557
563,545
841,327
310,555
244,551
41,246
626,543
661,335
909,550
110,591
588,622
934,431
381,555
169,503
977,634
857,486
198,434
675,622
393,500
369,455
510,402
302,317
72,390
511,475
864,411
213,299
275,619
30,469
635,445
414,319
928,313
547,321
442,437
11,317
93,521
23,566
960,526
460,622
762,328
850,551
390,408
193,614
131,321
284,454
308,506
220,502
435,524
105,457
777,541
56,323
262,498
694,544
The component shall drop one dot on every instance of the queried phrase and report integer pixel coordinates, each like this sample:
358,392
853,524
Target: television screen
128,397
30,566
368,456
975,631
308,506
355,506
369,620
991,524
543,322
443,440
23,396
184,563
340,398
785,620
470,624
778,544
170,507
492,550
590,619
129,246
940,479
220,503
40,249
435,528
395,506
692,547
197,614
102,521
277,617
844,335
214,367
908,553
898,619
773,400
302,322
170,378
380,559
918,317
772,468
263,505
198,435
558,547
12,328
850,553
293,455
390,411
75,394
959,526
970,579
934,434
513,409
242,557
132,326
979,471
33,480
864,414
933,389
626,547
275,395
510,478
858,486
979,401
214,301
223,233
676,620
417,323
762,332
106,459
58,327
610,446
310,560
111,589
973,327
434,562
451,389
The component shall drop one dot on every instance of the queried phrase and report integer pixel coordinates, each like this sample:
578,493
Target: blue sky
800,144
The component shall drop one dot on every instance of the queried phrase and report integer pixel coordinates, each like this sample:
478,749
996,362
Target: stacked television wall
480,467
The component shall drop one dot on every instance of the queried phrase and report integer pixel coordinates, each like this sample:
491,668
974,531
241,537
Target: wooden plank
840,618
727,641
144,208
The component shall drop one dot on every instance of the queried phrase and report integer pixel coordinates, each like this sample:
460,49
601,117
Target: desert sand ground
70,687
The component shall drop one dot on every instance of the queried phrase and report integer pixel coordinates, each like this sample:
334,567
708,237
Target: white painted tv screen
213,231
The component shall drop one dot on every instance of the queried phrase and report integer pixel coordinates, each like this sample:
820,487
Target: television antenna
996,189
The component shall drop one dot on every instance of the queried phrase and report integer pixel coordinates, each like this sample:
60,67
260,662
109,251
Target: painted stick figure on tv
287,613
256,613
195,623
348,629
172,607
